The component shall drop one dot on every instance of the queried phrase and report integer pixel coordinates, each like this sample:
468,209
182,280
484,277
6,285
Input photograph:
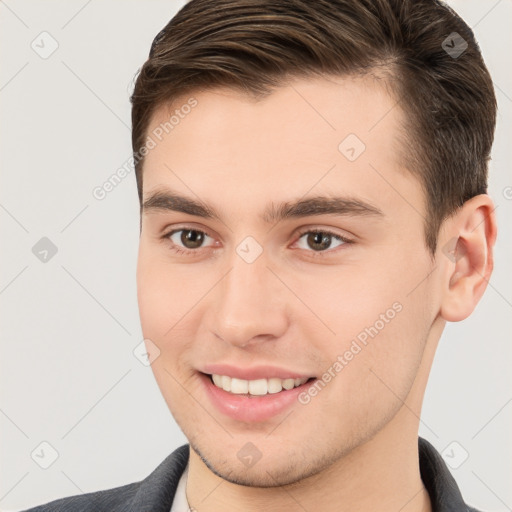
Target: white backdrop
68,375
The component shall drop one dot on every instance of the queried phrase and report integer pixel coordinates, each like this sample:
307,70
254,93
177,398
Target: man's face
345,280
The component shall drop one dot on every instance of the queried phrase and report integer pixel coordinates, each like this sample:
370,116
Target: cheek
163,306
171,300
348,300
159,294
379,320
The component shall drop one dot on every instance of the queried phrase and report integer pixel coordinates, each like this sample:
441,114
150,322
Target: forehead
309,108
309,134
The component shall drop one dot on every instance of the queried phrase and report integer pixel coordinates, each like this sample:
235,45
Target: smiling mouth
256,387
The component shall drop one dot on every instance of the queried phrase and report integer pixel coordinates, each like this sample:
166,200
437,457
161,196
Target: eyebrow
165,200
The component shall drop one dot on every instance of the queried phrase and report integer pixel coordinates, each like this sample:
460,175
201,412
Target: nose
249,305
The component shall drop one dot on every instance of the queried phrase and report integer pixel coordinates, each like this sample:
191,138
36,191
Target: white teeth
226,383
238,386
288,383
257,386
274,385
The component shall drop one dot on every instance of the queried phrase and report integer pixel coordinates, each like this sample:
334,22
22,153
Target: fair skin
353,446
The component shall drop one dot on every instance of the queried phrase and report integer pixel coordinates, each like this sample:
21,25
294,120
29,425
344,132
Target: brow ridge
164,200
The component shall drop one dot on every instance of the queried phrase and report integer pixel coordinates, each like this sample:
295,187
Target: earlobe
466,252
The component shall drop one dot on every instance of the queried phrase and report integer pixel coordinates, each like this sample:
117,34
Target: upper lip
252,372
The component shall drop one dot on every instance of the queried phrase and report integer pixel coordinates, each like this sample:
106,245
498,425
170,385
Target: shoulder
155,492
108,499
445,495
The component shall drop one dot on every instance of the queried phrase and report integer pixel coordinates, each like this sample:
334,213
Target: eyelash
315,254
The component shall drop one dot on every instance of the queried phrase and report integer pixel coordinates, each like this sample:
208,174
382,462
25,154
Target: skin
354,445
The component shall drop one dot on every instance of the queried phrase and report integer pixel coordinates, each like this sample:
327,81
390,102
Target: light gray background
70,325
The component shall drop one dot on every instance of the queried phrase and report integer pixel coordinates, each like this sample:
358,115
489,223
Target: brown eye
320,241
188,239
191,239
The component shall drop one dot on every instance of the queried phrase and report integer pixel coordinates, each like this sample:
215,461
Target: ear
465,251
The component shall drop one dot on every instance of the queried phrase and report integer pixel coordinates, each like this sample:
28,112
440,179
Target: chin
276,471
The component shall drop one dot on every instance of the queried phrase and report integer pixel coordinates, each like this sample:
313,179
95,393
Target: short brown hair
257,45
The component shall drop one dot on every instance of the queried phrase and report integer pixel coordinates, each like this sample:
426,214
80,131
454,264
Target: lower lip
251,409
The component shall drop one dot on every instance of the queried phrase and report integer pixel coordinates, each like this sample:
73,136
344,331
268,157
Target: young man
312,179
